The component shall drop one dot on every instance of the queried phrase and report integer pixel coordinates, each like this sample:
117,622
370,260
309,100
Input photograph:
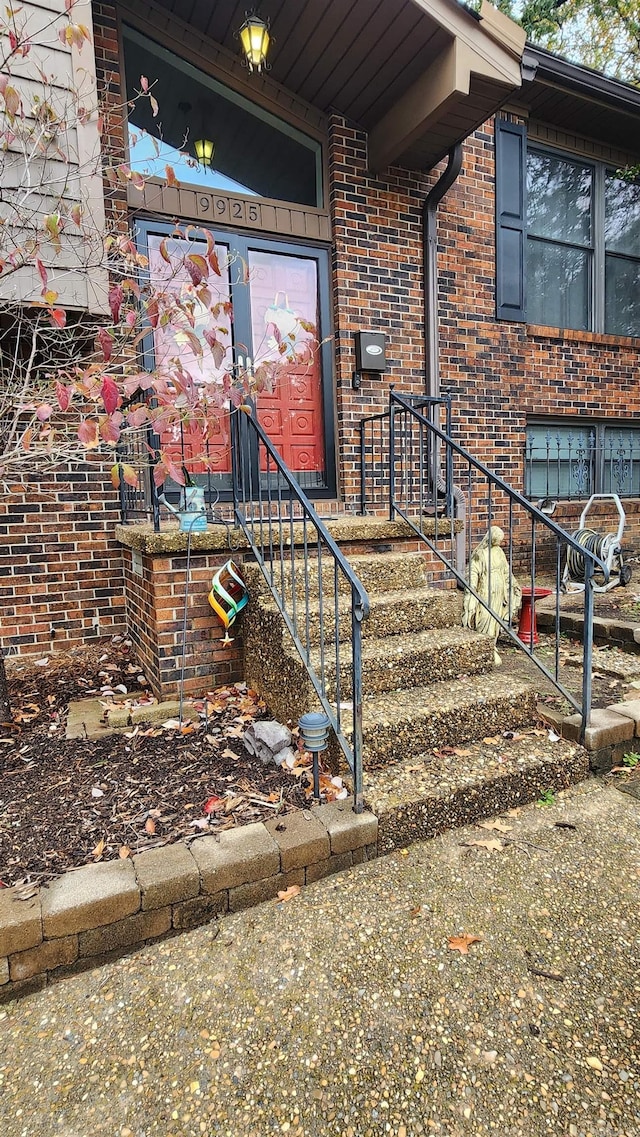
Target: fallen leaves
497,825
491,844
288,893
463,943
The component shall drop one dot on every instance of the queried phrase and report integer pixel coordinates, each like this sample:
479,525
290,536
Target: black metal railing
569,463
373,435
422,460
321,600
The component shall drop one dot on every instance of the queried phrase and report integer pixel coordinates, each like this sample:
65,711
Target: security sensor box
371,351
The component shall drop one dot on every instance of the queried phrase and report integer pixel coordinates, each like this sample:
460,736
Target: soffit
418,75
576,99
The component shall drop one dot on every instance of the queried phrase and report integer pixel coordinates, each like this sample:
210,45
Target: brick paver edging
96,912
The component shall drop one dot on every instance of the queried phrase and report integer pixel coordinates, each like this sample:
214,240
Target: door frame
241,243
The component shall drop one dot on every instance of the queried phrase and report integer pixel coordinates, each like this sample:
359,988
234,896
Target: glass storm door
279,293
284,306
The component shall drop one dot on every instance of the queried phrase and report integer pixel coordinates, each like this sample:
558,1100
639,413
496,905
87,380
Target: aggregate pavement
346,1011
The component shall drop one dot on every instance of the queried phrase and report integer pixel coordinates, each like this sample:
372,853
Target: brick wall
498,372
155,614
60,567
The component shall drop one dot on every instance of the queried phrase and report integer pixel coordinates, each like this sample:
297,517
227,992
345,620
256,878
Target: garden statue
492,580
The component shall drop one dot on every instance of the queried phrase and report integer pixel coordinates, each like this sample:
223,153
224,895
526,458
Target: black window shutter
511,217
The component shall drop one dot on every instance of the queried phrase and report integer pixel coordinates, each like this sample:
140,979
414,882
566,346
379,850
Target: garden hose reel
607,546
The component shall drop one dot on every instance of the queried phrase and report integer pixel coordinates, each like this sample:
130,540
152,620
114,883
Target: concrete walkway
344,1011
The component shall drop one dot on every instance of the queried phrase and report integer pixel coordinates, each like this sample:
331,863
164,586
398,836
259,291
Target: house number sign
230,211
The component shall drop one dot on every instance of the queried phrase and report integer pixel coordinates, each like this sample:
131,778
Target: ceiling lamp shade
255,38
204,150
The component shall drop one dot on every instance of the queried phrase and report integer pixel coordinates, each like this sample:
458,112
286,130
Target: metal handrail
268,504
407,494
366,475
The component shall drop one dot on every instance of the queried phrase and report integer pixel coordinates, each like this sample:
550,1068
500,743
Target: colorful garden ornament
228,596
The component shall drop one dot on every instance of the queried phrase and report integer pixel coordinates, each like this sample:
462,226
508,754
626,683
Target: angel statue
491,579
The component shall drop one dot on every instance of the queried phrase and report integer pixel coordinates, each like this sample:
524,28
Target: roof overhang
580,101
417,75
477,67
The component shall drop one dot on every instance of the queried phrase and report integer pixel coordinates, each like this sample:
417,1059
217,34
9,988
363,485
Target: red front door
283,293
276,319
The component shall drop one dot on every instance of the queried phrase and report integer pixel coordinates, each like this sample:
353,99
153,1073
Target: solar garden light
314,732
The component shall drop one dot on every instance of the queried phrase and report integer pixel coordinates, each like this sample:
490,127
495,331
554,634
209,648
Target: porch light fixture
255,38
314,732
204,150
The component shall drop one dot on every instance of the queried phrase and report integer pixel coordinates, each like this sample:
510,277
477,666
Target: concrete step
391,614
410,660
402,724
377,572
419,798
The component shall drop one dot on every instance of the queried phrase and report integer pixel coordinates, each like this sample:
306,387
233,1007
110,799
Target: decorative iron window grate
573,461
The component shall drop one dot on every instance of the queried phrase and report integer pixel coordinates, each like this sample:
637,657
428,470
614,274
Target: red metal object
527,628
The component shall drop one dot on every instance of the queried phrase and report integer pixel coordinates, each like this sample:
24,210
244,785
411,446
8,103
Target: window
568,239
575,459
254,152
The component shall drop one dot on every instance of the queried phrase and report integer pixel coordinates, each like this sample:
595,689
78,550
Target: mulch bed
66,803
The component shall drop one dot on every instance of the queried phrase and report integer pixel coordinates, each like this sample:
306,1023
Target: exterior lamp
255,38
314,732
204,150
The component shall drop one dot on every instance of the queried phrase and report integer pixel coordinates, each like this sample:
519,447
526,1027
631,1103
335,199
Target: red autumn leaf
170,175
150,826
63,395
115,301
43,272
44,411
110,394
212,804
153,312
129,475
109,429
144,83
196,266
137,180
106,344
58,317
88,433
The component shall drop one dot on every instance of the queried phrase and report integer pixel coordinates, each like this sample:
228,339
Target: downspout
432,353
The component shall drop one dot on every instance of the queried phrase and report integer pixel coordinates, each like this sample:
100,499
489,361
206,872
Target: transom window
248,150
583,245
575,459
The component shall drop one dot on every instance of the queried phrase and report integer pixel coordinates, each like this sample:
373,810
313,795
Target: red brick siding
499,372
60,569
155,614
